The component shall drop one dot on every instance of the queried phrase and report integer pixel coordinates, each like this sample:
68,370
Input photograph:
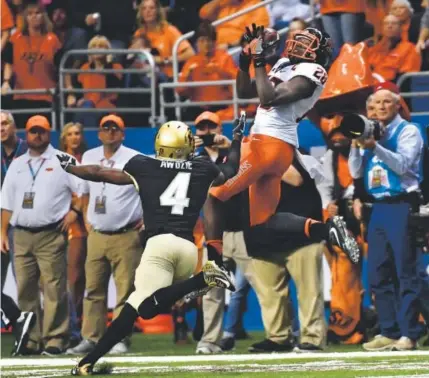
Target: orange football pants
263,162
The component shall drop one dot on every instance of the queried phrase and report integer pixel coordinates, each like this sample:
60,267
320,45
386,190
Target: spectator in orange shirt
7,23
31,58
409,24
161,35
230,33
96,81
343,20
210,63
392,57
375,11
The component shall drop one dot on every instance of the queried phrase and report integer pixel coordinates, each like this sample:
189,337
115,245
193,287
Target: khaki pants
108,254
234,248
304,266
43,255
166,259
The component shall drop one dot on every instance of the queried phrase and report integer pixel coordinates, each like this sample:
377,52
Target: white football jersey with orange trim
281,121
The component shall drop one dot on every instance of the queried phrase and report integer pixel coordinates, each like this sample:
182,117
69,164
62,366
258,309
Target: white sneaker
216,276
208,348
84,347
404,344
119,348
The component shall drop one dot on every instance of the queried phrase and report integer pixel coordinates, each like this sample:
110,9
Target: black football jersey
172,192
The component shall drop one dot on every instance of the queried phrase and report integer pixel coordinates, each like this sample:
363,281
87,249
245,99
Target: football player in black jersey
173,188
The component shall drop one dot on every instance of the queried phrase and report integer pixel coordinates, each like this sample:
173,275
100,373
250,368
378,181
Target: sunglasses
37,130
113,128
204,125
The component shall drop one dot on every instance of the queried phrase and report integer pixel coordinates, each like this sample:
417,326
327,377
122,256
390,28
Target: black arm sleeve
230,168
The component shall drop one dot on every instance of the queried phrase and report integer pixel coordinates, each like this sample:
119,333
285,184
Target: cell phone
208,139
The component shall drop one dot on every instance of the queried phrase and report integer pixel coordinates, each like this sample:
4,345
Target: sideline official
36,196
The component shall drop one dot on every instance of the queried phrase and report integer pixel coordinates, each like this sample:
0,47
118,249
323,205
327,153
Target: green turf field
157,356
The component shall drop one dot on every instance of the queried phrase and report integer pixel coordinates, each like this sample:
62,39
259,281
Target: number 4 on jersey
176,193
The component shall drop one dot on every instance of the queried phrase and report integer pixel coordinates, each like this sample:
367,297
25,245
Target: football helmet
309,45
174,140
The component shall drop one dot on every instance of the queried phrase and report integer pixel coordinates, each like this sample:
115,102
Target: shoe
216,276
339,236
84,347
208,348
23,326
228,343
268,346
379,343
74,341
52,351
196,293
119,348
24,351
404,344
241,334
307,348
82,370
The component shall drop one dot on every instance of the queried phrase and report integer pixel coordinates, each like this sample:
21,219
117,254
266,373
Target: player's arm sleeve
132,168
230,168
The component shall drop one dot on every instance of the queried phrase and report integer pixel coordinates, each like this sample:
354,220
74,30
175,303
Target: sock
121,327
10,309
316,231
163,299
214,251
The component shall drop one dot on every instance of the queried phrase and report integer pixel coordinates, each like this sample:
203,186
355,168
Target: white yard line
11,362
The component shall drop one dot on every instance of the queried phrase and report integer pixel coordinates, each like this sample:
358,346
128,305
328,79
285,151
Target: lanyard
14,155
110,164
34,175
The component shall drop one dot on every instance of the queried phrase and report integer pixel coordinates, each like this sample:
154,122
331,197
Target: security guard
36,197
114,216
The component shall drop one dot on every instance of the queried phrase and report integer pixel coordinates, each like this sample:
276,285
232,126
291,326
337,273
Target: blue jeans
343,28
392,271
235,307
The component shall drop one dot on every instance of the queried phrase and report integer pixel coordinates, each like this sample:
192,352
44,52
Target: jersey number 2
176,193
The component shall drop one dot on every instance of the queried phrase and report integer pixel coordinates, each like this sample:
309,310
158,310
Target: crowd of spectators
37,34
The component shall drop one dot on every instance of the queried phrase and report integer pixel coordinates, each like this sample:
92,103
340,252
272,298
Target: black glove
257,51
250,35
239,126
66,160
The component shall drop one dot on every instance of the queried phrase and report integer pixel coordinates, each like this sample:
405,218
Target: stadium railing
63,71
415,95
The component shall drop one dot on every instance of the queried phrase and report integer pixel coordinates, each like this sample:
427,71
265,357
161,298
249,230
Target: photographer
390,167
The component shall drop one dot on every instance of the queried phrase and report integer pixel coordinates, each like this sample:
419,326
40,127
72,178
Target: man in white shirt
36,196
114,217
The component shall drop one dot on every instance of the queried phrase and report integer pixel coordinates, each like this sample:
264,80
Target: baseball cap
118,121
38,121
208,116
387,85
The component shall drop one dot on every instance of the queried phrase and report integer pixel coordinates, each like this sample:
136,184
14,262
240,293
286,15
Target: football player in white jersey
286,94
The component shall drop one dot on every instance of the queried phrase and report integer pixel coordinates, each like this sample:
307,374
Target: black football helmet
310,45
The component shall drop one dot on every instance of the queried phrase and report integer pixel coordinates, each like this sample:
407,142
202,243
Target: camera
357,126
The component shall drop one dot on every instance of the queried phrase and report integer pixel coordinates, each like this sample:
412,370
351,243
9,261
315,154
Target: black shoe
339,236
74,341
307,348
52,351
242,335
24,351
22,328
228,343
268,346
